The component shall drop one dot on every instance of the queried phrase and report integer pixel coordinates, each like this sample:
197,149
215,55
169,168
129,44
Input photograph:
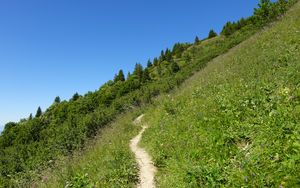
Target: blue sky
58,47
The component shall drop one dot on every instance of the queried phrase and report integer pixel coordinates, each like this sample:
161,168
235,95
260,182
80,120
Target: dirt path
147,169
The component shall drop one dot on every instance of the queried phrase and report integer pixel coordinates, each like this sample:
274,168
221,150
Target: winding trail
147,169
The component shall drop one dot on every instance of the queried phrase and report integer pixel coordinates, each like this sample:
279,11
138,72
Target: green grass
107,162
236,123
233,124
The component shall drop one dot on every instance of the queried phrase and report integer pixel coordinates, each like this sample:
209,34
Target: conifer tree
30,117
75,97
116,78
57,99
162,56
9,125
228,29
128,74
212,34
121,76
146,75
138,71
149,63
197,40
168,55
38,112
177,49
155,62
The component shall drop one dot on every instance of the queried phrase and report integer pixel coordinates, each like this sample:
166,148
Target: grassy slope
236,122
101,173
107,163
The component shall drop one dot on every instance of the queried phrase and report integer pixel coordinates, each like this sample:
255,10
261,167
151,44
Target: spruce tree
38,112
128,75
121,76
116,78
162,56
149,63
57,99
241,23
155,62
30,117
177,50
75,97
138,71
212,34
197,40
228,29
146,75
168,55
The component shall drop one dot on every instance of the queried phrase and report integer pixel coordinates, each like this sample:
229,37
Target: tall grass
233,124
108,161
236,123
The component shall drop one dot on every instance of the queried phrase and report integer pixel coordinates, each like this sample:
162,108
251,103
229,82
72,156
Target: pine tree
57,99
197,40
155,62
128,75
212,34
9,125
178,50
121,76
138,71
241,23
75,97
116,78
30,117
229,29
168,55
149,63
146,75
162,56
38,112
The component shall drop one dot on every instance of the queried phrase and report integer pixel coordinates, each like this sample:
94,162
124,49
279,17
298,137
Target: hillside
209,117
236,122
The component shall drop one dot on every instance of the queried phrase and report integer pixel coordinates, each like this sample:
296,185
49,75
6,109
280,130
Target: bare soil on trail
147,169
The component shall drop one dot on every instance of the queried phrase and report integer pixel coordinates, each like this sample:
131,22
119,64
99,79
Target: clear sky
58,47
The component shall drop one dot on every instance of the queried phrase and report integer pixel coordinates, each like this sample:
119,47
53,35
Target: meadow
236,122
223,112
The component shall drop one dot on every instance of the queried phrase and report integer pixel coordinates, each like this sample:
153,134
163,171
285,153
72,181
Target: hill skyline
47,58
